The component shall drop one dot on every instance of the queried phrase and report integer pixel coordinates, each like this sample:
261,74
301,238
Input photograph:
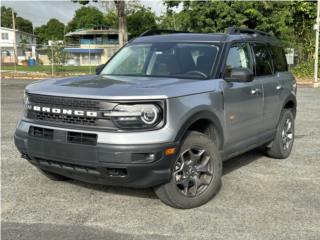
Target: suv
164,112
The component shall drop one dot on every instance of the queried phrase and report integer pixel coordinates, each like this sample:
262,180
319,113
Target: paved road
261,198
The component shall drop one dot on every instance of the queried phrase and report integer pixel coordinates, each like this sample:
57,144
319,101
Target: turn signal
170,151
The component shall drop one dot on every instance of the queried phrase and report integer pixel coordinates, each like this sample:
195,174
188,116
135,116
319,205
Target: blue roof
83,50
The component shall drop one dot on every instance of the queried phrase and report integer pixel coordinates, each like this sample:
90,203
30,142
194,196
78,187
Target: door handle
255,91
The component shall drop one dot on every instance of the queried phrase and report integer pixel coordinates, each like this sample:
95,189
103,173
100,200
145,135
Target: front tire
196,174
282,144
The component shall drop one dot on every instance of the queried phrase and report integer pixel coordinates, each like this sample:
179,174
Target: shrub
304,70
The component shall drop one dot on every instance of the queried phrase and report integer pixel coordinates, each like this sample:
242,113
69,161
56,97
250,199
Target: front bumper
131,165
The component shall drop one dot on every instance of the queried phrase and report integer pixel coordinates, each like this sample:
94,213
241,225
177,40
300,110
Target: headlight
136,116
25,100
25,104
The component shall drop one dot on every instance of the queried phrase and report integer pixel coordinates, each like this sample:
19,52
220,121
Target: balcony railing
98,42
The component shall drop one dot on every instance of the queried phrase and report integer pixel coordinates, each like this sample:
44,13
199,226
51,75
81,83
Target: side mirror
99,68
239,75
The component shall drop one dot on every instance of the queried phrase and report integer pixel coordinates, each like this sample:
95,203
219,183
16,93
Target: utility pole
14,40
90,57
316,52
52,59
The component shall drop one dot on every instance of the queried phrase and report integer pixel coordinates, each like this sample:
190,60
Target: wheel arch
205,122
290,103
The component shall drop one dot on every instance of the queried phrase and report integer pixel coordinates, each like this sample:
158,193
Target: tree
6,17
140,19
216,16
52,30
304,15
292,22
111,19
121,11
22,24
41,34
56,54
86,17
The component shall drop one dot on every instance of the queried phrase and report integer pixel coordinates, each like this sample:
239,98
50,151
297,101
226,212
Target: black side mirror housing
239,75
99,68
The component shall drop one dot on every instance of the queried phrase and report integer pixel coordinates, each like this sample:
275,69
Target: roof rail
238,30
158,32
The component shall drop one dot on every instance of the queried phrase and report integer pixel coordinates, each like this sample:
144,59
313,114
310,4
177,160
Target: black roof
233,34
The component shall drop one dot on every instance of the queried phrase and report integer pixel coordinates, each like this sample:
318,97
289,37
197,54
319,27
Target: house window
4,36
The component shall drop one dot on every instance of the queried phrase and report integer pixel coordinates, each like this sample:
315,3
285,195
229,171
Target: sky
39,12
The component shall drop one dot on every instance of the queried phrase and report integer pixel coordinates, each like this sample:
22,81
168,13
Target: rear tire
282,144
196,174
53,176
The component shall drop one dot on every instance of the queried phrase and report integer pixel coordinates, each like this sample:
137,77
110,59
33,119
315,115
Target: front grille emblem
63,111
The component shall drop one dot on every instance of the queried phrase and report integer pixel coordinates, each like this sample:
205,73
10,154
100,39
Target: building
91,46
26,45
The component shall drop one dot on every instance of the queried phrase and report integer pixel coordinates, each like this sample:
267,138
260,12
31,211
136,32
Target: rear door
282,78
243,101
264,72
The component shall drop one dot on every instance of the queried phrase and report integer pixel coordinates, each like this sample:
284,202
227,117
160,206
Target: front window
238,57
182,60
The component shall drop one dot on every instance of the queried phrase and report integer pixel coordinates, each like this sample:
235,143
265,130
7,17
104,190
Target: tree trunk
121,11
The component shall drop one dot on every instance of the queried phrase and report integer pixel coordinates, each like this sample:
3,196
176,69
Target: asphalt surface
261,198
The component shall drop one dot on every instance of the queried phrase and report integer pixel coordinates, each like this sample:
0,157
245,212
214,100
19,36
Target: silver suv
164,112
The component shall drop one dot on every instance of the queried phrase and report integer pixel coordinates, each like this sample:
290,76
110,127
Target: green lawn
41,68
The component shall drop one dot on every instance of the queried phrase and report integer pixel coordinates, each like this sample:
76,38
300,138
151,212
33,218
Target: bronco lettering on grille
64,111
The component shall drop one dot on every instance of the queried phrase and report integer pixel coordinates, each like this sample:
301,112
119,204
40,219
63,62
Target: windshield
164,59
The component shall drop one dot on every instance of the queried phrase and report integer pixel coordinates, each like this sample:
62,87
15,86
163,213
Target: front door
243,101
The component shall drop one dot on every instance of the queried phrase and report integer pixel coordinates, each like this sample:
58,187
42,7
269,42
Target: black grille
41,132
82,138
58,118
78,103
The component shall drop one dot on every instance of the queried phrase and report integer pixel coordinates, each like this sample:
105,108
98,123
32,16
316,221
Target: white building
25,42
91,46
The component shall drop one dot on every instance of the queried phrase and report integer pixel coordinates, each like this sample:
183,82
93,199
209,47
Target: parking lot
261,198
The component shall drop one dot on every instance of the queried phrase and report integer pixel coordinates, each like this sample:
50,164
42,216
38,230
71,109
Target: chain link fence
55,58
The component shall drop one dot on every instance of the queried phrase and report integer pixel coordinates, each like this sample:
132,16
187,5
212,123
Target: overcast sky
39,12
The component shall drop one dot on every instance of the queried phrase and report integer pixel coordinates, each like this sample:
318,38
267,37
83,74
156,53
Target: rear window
279,59
263,60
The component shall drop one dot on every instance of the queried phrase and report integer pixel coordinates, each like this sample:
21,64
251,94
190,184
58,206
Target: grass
42,68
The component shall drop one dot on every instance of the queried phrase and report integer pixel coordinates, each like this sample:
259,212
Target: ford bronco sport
164,112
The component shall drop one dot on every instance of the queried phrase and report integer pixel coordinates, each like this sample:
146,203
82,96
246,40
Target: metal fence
56,57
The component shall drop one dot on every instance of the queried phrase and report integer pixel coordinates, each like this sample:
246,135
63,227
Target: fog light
151,157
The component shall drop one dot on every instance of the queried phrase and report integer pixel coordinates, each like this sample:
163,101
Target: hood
120,87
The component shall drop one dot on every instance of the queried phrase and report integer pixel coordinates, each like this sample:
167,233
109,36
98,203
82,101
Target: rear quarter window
279,59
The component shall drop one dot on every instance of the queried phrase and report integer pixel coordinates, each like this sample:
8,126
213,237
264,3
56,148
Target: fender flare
201,115
291,97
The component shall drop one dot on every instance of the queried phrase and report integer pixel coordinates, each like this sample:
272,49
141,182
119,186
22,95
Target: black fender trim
202,115
291,97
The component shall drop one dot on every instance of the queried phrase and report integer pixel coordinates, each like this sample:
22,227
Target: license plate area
82,138
62,145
